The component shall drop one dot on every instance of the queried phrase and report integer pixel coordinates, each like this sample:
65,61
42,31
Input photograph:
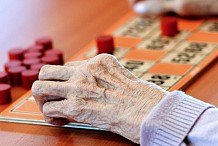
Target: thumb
153,7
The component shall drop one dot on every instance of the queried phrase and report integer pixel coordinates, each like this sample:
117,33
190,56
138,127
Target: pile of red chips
24,65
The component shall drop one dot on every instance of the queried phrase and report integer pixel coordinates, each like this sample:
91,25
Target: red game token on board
5,93
31,55
105,44
15,75
46,42
29,62
12,63
169,26
3,78
36,48
16,54
56,52
28,77
37,66
53,60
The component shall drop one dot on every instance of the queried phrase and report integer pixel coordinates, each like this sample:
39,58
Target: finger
75,63
57,121
105,59
70,108
55,110
154,7
74,109
53,72
48,90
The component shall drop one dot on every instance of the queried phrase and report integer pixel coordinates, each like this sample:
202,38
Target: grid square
210,26
161,79
137,67
149,55
207,37
137,27
127,42
189,25
183,58
170,68
196,47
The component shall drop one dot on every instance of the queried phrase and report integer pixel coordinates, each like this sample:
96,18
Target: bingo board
170,62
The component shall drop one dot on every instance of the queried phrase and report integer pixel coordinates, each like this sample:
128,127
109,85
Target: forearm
174,119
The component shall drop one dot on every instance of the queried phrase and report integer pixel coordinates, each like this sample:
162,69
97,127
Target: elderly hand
181,7
100,92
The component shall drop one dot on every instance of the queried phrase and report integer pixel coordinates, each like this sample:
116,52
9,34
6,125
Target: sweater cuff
171,120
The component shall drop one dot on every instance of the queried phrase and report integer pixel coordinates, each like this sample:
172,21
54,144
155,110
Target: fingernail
140,8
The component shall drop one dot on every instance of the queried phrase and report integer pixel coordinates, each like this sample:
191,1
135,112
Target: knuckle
48,119
45,67
36,87
91,67
103,57
43,70
76,106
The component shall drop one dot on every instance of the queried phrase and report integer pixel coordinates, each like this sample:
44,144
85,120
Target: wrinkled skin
100,92
181,7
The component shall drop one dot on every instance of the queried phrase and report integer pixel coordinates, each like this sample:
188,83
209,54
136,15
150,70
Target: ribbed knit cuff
171,120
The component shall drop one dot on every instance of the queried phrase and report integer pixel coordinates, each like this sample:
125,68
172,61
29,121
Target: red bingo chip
3,78
105,44
53,60
15,75
36,48
169,26
29,62
46,42
5,94
11,64
56,52
31,55
28,77
37,66
16,54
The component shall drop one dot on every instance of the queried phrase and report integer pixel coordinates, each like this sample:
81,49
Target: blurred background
70,22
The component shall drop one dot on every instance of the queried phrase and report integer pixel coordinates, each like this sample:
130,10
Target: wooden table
72,24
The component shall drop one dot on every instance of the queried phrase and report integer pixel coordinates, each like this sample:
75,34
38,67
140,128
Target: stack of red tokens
24,65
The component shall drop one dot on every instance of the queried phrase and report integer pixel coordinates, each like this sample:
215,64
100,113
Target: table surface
72,24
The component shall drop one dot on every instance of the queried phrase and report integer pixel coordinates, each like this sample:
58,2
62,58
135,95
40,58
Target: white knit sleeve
171,120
